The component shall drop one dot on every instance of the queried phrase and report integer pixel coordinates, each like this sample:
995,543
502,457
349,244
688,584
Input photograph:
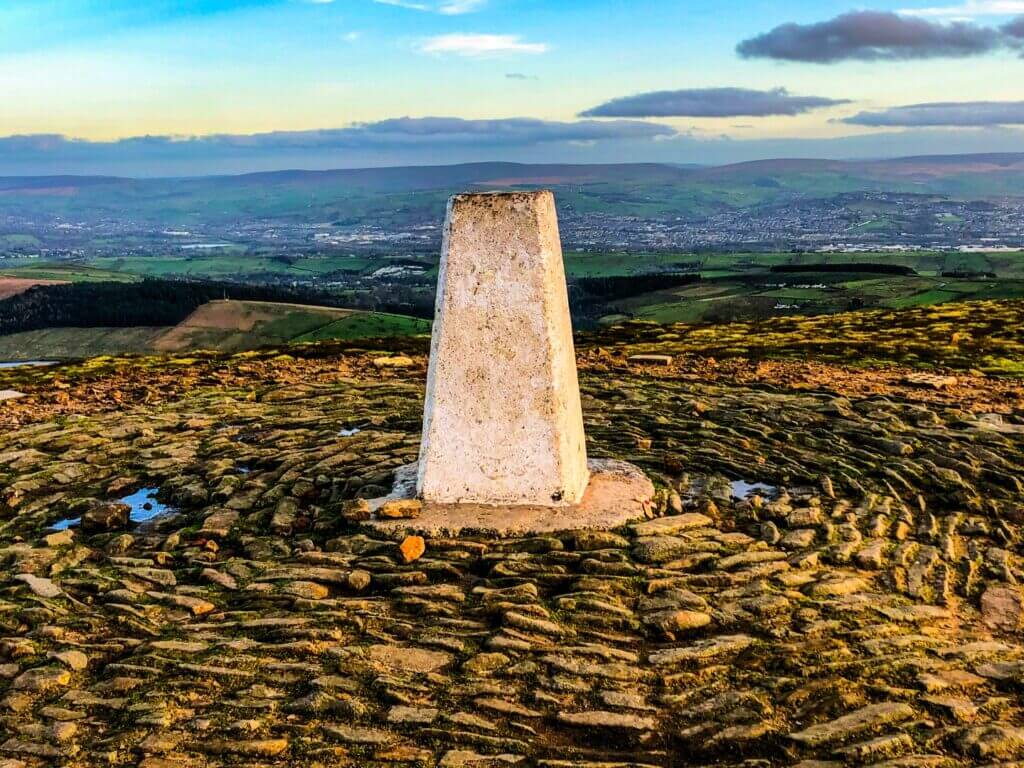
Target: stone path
866,612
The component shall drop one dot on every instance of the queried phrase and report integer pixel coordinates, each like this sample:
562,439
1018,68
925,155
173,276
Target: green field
577,264
764,295
368,325
67,343
70,272
218,266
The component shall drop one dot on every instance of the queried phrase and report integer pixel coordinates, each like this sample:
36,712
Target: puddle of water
243,470
27,363
741,489
144,505
350,432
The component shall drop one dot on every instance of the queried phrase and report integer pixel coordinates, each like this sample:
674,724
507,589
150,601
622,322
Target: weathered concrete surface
502,421
618,493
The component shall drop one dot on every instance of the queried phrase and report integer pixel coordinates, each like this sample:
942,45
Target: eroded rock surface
860,607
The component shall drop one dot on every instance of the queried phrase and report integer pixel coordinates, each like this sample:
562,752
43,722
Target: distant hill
501,174
392,198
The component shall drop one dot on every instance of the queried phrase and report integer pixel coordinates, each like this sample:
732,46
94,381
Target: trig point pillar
502,423
503,451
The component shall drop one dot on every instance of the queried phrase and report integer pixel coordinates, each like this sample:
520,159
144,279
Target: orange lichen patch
412,549
403,509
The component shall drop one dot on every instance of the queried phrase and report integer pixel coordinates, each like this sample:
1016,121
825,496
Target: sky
191,87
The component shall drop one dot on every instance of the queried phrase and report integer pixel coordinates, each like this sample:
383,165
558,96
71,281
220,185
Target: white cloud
458,7
404,4
481,45
969,9
446,7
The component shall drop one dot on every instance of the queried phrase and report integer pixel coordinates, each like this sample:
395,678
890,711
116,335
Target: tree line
151,302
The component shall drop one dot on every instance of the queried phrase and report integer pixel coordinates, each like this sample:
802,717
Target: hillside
12,286
224,326
232,326
831,576
374,193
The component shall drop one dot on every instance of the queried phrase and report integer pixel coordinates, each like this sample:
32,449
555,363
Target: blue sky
237,85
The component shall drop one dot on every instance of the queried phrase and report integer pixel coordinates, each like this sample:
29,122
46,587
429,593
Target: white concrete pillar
503,423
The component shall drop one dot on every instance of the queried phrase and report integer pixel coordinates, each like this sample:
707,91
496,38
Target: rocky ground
859,606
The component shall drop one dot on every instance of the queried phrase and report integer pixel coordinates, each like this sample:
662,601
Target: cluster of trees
624,286
124,305
590,298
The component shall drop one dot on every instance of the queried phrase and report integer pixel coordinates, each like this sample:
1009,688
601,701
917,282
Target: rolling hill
403,193
223,326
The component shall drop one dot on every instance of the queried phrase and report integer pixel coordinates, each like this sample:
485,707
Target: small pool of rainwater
742,489
26,363
143,503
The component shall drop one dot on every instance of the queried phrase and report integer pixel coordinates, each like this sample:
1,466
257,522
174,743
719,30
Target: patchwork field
238,325
737,285
65,272
738,296
224,326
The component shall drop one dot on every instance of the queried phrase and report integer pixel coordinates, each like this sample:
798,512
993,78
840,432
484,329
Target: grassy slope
368,325
233,326
220,326
231,265
68,273
739,285
984,335
61,343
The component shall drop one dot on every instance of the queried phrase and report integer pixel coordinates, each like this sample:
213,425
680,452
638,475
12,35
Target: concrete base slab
618,493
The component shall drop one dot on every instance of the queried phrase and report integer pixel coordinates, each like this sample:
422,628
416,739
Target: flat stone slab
618,494
651,359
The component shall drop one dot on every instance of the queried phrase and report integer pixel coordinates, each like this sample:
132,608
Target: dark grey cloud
968,113
399,132
521,130
871,36
165,157
405,139
711,102
1015,28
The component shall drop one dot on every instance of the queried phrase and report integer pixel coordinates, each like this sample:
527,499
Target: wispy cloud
711,102
474,45
457,7
446,7
397,132
434,141
969,10
961,114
